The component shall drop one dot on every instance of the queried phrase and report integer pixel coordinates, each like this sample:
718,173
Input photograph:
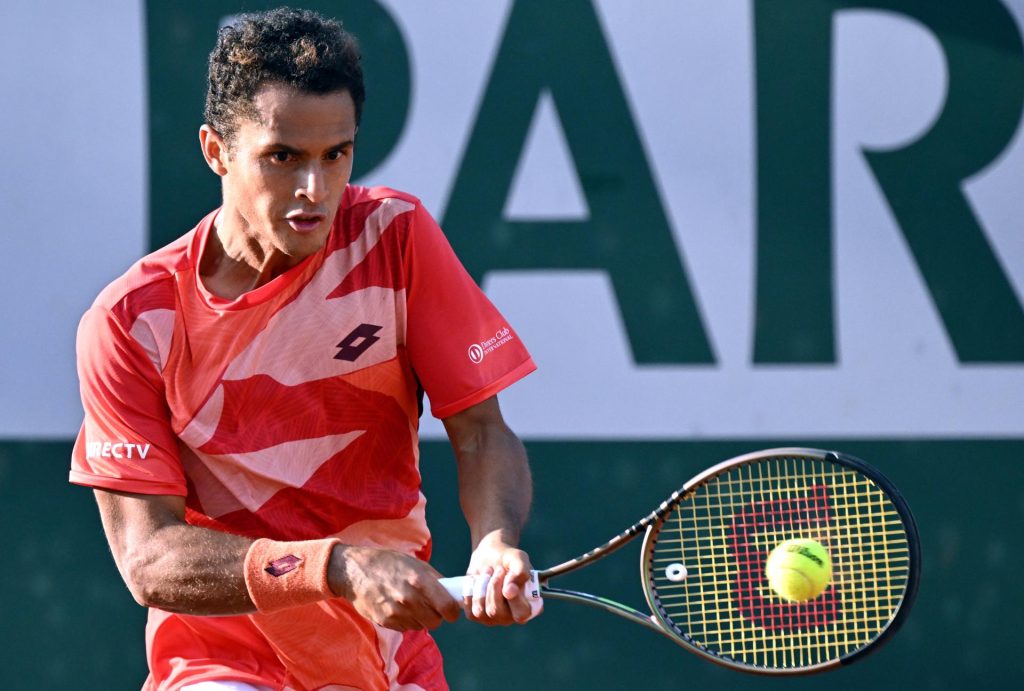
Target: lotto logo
357,342
286,564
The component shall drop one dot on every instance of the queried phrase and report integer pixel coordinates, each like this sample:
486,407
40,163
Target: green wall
69,622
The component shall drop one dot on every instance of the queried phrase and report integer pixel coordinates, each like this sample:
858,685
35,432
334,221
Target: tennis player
252,394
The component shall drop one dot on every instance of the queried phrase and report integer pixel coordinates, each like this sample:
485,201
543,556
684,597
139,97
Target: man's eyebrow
279,146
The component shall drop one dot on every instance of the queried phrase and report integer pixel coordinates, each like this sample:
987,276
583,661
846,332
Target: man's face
285,172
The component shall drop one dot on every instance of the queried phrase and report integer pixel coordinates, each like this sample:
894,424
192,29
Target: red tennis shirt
291,413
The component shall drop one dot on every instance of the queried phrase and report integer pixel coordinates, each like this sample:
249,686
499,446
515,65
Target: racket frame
650,523
901,611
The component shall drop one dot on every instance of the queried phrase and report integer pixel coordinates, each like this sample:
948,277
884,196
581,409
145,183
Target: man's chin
301,244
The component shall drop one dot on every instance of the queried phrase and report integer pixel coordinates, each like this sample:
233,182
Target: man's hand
504,600
391,589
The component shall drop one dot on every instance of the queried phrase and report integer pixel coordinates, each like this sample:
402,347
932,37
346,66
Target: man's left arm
495,493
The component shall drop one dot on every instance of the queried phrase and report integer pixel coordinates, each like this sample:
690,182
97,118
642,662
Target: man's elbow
146,576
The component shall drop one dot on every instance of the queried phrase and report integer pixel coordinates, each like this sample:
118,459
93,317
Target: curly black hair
299,48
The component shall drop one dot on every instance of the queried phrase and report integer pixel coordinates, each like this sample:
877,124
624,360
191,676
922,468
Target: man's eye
281,156
335,155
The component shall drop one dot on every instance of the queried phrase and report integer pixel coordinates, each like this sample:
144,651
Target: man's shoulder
148,283
379,208
356,195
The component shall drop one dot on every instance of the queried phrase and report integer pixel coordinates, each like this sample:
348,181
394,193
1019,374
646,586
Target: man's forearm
177,567
495,492
494,483
190,570
169,564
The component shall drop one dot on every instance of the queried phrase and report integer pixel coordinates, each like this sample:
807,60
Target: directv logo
120,449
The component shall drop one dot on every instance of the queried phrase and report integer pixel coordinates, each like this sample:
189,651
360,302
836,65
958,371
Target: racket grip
461,587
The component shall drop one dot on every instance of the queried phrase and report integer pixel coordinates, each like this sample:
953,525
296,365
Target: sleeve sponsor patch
116,449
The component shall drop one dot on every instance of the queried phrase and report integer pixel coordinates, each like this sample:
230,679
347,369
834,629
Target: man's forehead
283,111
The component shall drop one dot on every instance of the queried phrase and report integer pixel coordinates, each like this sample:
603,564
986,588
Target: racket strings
723,531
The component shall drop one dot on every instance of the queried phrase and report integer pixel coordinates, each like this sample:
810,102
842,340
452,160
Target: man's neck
233,262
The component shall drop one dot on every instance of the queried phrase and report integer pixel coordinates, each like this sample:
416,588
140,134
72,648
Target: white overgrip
461,587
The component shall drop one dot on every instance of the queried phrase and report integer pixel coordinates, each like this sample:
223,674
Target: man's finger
511,589
480,583
450,608
520,608
496,603
518,574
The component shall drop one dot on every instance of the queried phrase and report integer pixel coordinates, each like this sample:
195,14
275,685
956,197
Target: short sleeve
126,442
462,349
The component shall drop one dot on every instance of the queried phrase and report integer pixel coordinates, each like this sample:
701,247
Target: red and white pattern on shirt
292,442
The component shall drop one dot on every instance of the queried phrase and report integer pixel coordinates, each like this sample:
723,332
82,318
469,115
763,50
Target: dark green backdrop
68,622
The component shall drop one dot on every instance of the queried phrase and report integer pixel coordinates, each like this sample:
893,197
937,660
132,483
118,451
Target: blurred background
719,225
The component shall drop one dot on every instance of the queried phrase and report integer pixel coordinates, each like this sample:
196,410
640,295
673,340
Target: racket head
721,526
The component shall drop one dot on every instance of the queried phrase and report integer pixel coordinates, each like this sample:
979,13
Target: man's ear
215,150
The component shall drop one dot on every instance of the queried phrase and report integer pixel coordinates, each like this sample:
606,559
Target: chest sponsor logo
357,342
116,449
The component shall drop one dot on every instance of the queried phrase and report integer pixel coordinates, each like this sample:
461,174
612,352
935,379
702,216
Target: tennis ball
799,570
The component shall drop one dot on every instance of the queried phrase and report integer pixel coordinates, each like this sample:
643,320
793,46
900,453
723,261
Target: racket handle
460,587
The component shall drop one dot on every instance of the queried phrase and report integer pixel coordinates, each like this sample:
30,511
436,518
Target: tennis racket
703,562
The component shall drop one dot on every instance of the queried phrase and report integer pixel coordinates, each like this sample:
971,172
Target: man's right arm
169,564
177,567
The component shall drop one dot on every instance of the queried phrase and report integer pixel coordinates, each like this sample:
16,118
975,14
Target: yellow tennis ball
799,570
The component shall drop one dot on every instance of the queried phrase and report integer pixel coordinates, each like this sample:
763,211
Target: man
252,395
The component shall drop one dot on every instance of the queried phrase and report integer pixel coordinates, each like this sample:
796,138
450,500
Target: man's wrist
337,572
348,566
498,538
279,574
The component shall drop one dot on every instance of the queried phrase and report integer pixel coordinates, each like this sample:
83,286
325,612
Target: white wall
72,191
73,206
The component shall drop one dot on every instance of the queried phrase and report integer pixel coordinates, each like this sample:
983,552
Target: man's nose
311,185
